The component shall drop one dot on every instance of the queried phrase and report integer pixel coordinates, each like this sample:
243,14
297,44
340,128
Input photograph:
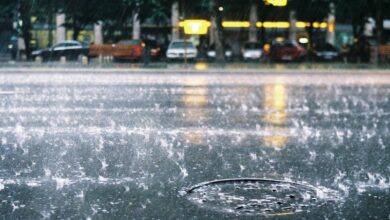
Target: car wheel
80,58
38,59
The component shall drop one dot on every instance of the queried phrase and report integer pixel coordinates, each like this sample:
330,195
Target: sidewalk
4,58
196,66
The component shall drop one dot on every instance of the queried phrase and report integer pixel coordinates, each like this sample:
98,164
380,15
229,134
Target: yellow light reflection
273,24
195,137
200,27
195,27
201,66
275,117
277,24
277,3
280,39
278,139
331,27
195,93
195,98
267,48
275,103
301,24
236,24
322,25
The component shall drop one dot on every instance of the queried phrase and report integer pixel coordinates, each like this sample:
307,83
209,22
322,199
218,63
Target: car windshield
60,45
226,47
290,44
325,47
181,45
130,42
252,46
72,44
152,44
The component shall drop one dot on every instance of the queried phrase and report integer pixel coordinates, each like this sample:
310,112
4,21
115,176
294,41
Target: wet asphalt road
125,146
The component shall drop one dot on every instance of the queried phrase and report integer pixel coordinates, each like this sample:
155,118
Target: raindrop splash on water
258,196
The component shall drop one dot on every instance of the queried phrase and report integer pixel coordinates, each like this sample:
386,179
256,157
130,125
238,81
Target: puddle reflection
275,115
195,98
195,137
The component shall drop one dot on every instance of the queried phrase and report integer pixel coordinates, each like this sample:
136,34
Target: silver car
180,50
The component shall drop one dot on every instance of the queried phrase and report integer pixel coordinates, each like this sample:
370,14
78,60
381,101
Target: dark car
154,49
211,52
71,50
287,50
324,52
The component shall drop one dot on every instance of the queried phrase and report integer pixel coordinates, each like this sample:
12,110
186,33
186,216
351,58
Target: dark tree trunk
50,21
310,33
76,33
262,29
218,32
76,29
25,13
355,28
379,21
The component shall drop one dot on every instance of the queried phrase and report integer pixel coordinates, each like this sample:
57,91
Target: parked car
252,51
71,50
324,52
154,49
180,50
228,52
128,50
287,50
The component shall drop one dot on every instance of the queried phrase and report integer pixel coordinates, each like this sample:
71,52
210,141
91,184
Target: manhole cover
255,196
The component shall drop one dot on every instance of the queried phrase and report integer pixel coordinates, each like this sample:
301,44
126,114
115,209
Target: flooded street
133,146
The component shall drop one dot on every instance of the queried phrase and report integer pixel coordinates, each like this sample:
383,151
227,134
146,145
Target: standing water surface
131,146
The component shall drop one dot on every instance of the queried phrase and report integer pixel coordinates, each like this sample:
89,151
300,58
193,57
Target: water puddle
258,197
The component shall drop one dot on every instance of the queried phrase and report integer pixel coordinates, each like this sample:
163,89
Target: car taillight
138,50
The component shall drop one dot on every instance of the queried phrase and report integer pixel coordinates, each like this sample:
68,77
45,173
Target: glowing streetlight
277,3
195,27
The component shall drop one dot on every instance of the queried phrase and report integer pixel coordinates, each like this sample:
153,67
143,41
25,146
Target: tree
216,19
311,11
115,13
80,13
45,11
20,11
7,10
156,11
25,9
355,12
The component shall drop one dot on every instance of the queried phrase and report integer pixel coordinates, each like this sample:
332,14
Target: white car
180,50
252,51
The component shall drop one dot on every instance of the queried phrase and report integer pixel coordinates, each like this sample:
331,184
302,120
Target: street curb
191,71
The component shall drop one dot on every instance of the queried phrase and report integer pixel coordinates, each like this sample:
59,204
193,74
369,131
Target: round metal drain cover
254,196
